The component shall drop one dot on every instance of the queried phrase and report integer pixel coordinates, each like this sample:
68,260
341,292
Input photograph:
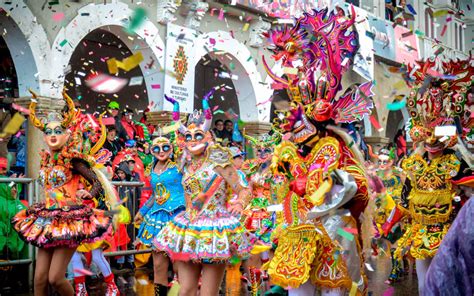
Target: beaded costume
63,220
206,232
317,168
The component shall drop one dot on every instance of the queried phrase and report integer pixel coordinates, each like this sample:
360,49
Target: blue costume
165,203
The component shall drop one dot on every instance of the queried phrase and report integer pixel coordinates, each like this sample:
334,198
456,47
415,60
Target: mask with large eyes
162,150
55,136
195,140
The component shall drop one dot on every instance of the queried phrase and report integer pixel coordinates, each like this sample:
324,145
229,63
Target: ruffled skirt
204,239
153,221
64,227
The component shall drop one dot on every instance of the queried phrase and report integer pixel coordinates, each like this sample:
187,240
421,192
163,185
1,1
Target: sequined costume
166,202
318,178
206,232
63,220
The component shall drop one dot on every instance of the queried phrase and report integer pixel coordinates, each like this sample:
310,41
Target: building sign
406,46
383,35
282,8
179,67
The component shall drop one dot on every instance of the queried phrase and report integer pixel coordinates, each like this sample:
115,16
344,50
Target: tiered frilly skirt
63,227
204,239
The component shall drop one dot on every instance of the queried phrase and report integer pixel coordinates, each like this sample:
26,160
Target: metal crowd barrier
131,191
33,193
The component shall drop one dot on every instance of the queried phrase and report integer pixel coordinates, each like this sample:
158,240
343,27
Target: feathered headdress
319,48
439,97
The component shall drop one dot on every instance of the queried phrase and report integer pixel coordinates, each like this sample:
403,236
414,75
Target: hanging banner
406,46
383,35
179,67
364,58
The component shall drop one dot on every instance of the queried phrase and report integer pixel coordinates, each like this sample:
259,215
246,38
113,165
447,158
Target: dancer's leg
188,277
43,262
421,269
212,276
160,268
57,271
102,263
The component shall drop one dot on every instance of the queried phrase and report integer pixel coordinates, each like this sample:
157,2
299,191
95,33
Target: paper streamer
375,123
345,234
58,16
351,230
126,64
397,105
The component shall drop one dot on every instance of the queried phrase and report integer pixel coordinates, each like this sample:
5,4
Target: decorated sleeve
85,171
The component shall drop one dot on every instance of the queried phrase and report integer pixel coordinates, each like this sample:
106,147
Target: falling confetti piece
21,109
369,267
138,17
58,16
126,64
411,9
445,27
245,27
104,83
63,43
221,15
14,125
440,13
83,271
345,234
351,230
155,86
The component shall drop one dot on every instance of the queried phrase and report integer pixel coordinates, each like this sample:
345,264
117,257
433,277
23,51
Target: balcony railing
428,48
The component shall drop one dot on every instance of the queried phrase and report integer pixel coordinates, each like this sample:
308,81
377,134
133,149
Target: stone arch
236,57
27,41
112,17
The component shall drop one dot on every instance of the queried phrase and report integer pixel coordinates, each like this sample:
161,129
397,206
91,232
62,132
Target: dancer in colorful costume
63,221
258,220
208,234
318,176
438,122
387,197
87,124
166,202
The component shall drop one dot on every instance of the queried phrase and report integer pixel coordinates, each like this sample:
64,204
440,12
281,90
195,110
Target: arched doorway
89,59
210,73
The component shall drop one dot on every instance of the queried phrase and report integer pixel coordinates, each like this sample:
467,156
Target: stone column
34,136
